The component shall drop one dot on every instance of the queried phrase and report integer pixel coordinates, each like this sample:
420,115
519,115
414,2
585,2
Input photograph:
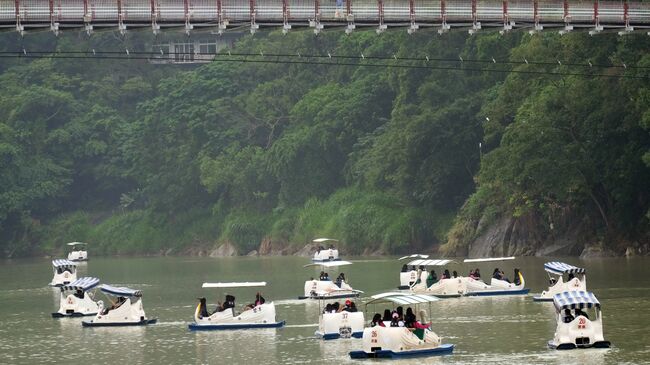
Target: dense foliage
144,158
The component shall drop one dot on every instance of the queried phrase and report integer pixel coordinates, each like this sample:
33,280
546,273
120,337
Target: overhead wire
312,59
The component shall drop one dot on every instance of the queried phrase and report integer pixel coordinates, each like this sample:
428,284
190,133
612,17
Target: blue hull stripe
207,327
75,314
141,323
444,349
541,299
334,336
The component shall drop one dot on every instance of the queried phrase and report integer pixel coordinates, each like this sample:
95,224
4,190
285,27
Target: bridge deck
350,14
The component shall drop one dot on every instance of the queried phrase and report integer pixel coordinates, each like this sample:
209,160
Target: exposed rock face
307,251
226,249
372,251
252,253
596,250
269,247
527,235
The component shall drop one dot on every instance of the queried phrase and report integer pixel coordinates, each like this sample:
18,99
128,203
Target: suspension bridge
220,15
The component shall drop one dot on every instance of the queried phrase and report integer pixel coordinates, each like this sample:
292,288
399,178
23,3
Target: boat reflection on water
235,347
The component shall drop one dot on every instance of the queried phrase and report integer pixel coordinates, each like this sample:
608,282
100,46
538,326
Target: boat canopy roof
63,263
414,256
575,299
234,284
430,262
76,243
330,263
320,240
402,298
560,268
120,291
85,284
490,259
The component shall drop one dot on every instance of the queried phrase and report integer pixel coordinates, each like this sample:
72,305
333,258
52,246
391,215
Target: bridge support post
476,25
597,27
349,17
380,13
154,18
413,27
286,27
626,17
254,25
567,19
444,27
188,23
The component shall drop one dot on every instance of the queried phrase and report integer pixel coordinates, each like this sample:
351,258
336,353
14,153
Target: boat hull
335,336
75,314
326,297
234,326
572,346
542,299
444,349
119,324
497,292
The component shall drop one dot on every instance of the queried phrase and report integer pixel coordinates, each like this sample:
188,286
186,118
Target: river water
511,330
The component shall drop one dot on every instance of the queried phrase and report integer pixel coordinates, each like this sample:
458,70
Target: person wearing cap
349,306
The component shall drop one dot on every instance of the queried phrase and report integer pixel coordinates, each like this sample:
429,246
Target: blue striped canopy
85,284
575,299
120,291
562,268
63,263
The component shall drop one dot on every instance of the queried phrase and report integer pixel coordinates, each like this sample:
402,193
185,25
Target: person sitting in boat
228,303
400,312
432,278
445,275
203,308
497,274
503,276
349,306
571,276
326,277
377,321
477,274
455,274
394,321
579,312
387,315
568,318
118,302
517,280
335,307
79,294
409,318
259,300
340,279
405,268
328,308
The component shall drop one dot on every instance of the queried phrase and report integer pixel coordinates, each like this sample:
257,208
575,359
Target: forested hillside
141,158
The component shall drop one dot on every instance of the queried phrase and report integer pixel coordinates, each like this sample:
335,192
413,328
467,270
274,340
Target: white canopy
414,256
430,262
320,240
490,259
76,243
403,298
234,284
330,263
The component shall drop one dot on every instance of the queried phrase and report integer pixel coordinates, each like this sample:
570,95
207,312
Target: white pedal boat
79,251
408,276
328,289
577,330
400,342
258,316
126,309
65,272
76,300
443,288
576,280
343,324
325,254
474,287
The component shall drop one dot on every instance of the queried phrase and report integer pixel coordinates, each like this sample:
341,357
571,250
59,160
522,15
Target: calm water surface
485,330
